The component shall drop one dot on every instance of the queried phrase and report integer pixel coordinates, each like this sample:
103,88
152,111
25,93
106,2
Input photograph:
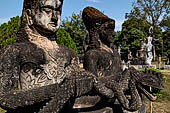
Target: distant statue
141,53
119,50
130,57
149,47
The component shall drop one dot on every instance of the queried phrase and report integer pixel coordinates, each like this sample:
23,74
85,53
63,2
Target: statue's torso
53,68
102,63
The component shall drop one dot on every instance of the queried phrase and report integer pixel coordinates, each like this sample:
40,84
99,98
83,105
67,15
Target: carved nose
54,16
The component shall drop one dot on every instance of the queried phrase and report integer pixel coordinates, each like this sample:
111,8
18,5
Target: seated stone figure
101,58
36,59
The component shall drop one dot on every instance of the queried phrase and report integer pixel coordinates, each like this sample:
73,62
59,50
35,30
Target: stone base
87,104
138,67
166,66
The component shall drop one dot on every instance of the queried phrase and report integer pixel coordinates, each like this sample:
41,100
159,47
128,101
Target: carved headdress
97,24
94,18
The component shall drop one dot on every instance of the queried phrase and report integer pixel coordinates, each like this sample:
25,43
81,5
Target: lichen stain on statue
39,59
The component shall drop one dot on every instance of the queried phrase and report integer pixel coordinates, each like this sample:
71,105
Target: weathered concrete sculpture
149,47
101,56
33,60
36,60
48,73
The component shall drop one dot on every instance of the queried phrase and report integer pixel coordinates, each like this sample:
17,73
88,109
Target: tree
150,10
165,23
63,38
75,27
8,31
116,38
166,44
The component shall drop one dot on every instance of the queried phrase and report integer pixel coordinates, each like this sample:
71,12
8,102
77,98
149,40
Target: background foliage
75,27
134,31
63,38
8,31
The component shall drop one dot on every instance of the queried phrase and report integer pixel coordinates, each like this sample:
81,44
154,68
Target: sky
114,9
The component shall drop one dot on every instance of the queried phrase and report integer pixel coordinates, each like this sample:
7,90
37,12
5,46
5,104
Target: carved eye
47,10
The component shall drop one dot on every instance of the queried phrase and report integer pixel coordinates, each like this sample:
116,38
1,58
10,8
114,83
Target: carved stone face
48,16
107,33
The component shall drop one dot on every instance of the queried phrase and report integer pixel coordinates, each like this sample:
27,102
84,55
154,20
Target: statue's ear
28,17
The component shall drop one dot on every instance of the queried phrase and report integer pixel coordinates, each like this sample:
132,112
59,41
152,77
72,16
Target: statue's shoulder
97,53
11,48
20,46
21,51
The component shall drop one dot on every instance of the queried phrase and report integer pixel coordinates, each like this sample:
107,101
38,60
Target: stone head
42,15
96,21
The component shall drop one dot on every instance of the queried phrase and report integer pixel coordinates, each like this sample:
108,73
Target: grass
2,111
165,93
162,104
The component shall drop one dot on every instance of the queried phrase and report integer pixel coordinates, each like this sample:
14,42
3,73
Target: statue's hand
103,90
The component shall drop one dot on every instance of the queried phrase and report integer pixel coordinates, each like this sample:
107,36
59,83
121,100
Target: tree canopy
150,10
75,27
8,31
63,38
134,31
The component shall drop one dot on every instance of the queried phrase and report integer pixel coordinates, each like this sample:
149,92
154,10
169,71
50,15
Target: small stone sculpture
149,47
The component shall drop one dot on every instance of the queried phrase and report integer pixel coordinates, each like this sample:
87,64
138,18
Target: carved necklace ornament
47,73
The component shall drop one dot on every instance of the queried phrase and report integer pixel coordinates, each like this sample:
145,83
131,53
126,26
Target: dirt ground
162,105
158,107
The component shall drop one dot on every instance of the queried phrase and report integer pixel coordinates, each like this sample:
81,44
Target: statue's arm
90,62
9,68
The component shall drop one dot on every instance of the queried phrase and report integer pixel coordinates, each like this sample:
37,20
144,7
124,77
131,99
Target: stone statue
49,74
57,95
101,55
149,47
34,60
142,51
101,58
141,55
130,57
